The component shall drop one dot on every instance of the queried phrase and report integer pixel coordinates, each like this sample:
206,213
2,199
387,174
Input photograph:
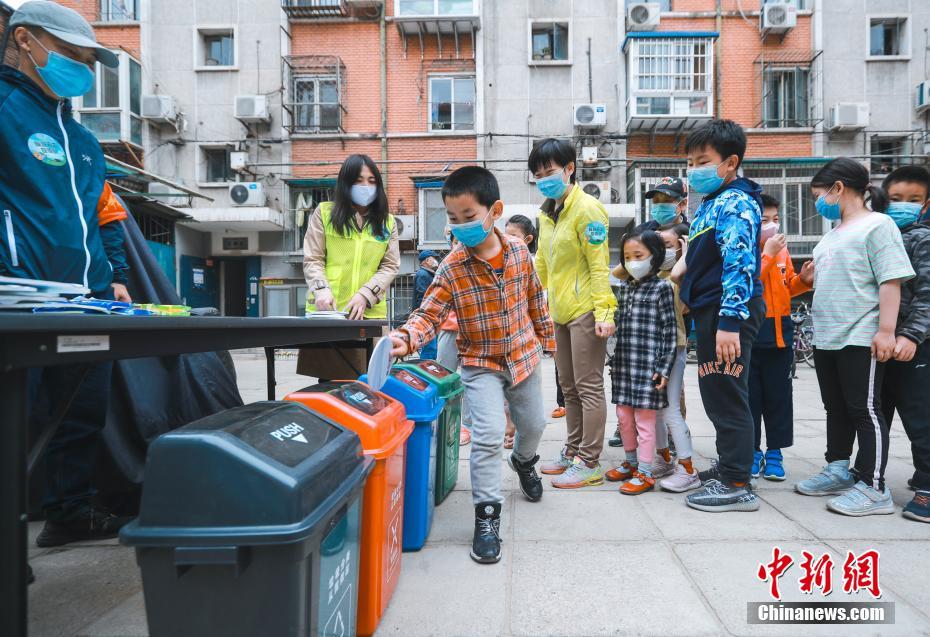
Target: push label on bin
278,435
409,379
361,397
434,368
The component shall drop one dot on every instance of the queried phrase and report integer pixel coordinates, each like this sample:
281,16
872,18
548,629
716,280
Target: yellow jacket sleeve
592,228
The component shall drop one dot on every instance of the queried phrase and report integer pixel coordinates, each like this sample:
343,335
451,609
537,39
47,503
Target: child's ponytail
878,198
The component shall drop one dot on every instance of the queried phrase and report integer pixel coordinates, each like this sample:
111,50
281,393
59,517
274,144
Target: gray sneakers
835,478
717,496
558,466
863,500
661,468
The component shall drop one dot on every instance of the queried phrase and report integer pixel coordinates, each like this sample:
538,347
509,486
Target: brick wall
123,36
357,44
740,44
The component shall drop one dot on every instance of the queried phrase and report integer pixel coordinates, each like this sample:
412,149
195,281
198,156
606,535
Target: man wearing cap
60,223
669,202
429,263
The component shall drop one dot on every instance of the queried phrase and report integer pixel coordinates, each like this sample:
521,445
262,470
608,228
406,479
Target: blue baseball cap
63,23
426,254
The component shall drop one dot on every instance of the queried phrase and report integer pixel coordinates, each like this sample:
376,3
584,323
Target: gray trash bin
249,525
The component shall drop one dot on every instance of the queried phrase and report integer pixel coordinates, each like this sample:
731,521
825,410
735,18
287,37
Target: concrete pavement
645,565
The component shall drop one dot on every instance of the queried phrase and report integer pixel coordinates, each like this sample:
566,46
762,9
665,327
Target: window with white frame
215,165
550,42
316,104
119,11
112,109
671,77
435,7
888,37
452,103
786,101
433,218
215,48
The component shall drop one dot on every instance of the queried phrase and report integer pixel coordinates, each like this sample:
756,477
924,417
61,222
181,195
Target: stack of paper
22,295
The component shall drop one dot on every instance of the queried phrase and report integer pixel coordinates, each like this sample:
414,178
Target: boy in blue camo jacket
720,283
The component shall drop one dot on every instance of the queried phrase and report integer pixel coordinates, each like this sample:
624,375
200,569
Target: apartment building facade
550,70
757,63
876,88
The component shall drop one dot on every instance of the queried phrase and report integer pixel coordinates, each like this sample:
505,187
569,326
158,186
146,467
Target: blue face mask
551,187
64,76
904,213
827,210
363,194
664,213
471,233
705,179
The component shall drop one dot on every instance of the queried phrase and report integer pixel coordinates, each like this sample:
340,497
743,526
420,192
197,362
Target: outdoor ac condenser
643,16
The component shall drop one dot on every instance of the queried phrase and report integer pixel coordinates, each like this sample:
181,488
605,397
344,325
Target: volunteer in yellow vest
572,262
351,253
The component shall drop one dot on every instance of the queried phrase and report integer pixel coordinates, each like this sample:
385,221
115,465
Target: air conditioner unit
590,115
600,190
922,102
159,108
406,227
847,116
247,193
643,16
252,109
778,17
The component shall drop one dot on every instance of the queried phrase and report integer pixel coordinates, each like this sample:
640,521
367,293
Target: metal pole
590,81
13,395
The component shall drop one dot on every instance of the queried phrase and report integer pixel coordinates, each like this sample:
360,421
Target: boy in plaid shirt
504,330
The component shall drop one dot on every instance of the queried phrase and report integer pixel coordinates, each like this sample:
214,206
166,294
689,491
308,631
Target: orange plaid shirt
504,321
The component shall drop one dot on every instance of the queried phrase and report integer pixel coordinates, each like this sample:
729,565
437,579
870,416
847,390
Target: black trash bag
151,396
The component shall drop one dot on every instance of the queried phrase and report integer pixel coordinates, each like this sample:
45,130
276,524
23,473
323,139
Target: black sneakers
530,483
486,545
710,474
89,524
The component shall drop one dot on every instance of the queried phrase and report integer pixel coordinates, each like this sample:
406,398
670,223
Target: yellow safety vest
352,260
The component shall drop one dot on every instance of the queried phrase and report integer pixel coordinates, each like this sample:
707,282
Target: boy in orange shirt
770,397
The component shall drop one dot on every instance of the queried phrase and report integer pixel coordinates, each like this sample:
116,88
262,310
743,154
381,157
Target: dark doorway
234,287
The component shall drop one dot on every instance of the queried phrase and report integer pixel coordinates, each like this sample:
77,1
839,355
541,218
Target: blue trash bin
423,405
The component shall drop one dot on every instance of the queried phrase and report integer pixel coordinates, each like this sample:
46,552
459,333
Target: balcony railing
315,8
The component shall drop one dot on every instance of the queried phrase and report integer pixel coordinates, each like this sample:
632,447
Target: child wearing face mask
642,362
859,268
770,393
908,375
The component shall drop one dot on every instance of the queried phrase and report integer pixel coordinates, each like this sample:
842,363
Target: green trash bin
449,385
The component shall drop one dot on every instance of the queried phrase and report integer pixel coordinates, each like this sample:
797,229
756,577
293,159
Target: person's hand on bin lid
400,344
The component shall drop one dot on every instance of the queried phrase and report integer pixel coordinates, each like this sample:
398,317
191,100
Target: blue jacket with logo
52,176
723,261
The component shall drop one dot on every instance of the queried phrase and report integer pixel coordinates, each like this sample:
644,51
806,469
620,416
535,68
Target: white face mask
671,257
639,269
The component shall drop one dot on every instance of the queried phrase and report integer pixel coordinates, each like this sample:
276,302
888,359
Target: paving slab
599,604
126,620
443,593
584,515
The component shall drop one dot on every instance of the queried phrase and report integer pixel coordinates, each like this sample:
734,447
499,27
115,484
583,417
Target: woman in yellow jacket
572,262
351,257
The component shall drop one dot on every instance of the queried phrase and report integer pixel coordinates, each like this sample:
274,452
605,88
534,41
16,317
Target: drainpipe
382,32
717,56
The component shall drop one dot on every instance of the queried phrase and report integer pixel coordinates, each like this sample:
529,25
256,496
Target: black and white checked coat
646,339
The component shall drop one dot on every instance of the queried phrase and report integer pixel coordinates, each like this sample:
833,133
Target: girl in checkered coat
642,361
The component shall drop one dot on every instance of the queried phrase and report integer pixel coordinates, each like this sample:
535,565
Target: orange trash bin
381,424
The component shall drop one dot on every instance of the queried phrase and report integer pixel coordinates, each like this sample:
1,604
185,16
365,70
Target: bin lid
448,382
247,471
378,419
380,364
420,398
